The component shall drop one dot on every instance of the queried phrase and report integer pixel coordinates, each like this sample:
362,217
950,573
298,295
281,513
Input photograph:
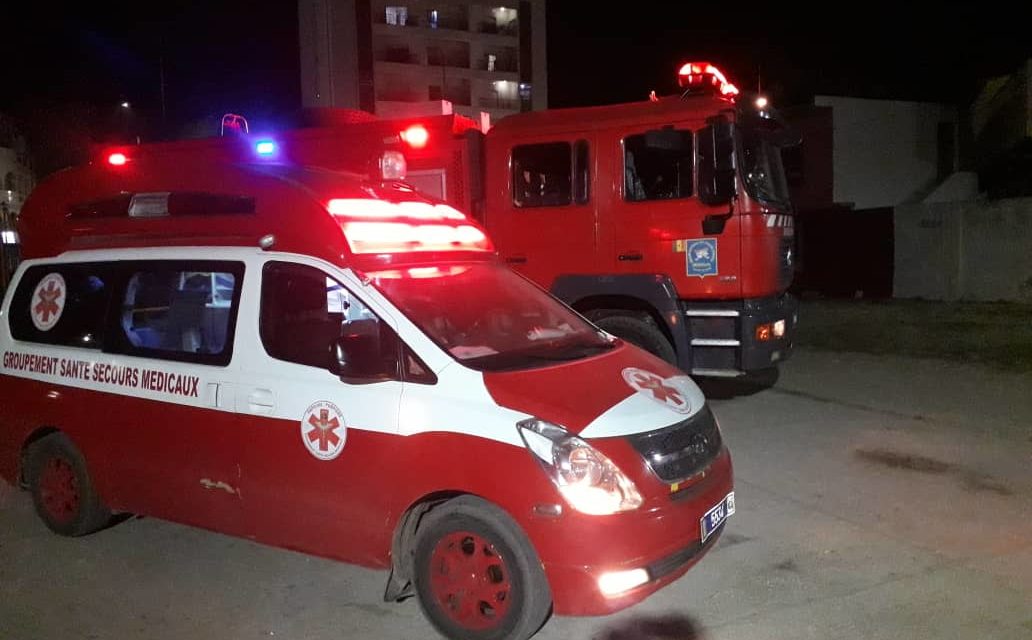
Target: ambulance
335,364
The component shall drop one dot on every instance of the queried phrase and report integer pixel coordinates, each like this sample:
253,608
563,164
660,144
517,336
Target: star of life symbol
666,391
48,301
323,430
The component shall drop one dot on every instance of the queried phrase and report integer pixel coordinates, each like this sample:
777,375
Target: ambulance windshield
488,317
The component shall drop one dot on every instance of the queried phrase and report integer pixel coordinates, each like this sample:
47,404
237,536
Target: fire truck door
548,225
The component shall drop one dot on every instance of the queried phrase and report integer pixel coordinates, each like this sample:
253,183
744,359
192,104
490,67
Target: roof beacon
702,76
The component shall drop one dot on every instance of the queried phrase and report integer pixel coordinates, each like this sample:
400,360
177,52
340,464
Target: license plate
717,515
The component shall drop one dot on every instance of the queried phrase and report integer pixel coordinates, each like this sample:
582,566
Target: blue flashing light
265,147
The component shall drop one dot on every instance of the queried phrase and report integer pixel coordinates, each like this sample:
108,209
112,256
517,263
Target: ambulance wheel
639,332
61,488
477,576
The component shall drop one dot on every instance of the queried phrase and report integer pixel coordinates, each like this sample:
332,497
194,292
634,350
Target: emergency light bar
379,226
703,76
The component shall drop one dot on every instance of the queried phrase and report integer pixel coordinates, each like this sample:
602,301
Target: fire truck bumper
734,339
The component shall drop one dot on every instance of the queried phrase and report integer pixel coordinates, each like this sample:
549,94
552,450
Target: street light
125,104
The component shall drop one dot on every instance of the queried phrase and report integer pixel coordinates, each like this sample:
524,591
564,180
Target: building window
658,165
397,15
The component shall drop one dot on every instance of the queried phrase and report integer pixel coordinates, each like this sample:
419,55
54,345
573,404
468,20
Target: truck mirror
716,163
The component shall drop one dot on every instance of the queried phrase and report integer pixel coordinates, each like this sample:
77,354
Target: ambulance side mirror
716,148
365,354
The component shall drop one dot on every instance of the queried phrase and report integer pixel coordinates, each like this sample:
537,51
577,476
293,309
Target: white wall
885,152
974,250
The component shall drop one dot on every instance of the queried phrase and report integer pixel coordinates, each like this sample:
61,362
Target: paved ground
877,498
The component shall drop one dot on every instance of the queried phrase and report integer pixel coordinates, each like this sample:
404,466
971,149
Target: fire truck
667,222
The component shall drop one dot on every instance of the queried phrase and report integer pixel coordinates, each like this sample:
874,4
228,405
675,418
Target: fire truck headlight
392,166
586,478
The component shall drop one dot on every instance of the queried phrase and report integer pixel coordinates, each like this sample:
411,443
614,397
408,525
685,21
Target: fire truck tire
62,491
640,332
477,575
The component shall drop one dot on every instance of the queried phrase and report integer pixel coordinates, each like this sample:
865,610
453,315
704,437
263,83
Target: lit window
397,16
8,237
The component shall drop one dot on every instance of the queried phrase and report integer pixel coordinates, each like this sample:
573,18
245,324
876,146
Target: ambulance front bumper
598,565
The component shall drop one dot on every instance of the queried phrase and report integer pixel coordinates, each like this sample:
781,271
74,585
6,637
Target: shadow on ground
747,385
672,627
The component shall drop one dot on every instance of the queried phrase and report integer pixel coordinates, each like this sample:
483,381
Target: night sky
242,56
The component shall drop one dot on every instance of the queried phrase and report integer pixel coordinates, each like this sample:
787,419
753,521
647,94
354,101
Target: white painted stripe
640,413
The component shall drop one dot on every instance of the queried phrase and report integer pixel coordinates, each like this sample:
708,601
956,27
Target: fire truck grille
680,451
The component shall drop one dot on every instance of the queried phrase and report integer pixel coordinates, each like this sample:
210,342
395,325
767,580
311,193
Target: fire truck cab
666,222
207,333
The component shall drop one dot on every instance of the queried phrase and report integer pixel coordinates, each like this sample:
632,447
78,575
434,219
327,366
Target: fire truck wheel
477,575
61,488
640,332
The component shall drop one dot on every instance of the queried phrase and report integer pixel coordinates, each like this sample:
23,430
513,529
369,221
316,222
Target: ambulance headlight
587,479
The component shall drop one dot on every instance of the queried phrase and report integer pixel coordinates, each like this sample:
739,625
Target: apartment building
398,59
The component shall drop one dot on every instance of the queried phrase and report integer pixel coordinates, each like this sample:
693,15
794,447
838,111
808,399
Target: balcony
450,54
401,55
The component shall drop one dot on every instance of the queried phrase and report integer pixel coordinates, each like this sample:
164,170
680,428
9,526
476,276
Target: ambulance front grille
680,451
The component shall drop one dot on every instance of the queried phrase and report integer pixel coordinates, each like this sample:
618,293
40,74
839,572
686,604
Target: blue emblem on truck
701,257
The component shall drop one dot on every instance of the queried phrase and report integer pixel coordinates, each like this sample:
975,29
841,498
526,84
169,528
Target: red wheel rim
59,490
470,581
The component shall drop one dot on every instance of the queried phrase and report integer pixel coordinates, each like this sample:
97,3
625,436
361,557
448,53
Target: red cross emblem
657,388
323,430
661,392
48,301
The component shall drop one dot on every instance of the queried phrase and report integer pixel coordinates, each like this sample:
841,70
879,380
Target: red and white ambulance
341,366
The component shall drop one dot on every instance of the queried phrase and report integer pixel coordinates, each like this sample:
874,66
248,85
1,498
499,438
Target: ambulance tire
61,488
467,545
640,332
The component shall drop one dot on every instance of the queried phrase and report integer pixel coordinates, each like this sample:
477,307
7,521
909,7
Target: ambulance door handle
516,260
260,401
633,255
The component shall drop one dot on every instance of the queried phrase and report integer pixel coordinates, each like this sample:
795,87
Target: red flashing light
379,226
416,136
703,75
117,159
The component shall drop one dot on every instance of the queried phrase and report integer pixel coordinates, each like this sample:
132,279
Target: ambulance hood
621,392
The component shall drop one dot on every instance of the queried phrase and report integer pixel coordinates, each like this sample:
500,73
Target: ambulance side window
305,314
62,305
179,311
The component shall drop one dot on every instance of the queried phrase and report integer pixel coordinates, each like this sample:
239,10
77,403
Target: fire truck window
658,167
179,314
305,313
542,175
80,305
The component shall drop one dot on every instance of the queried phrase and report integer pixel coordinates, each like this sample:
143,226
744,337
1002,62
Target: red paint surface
573,394
150,457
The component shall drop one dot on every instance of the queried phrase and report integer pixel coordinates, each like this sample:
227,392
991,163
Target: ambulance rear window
62,305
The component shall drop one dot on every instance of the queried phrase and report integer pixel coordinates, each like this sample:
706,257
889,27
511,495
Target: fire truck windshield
762,171
488,317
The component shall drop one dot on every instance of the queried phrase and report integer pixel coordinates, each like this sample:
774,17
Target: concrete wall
885,152
974,250
328,37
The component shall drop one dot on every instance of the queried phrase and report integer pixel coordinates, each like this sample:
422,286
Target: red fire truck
667,222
